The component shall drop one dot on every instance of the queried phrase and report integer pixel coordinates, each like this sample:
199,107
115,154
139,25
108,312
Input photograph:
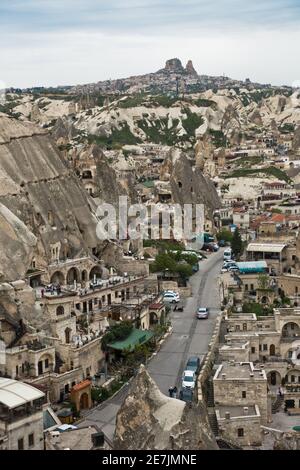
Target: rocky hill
38,188
148,420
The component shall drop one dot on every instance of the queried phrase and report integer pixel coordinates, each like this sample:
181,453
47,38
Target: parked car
186,394
193,364
233,269
171,297
189,379
202,313
222,243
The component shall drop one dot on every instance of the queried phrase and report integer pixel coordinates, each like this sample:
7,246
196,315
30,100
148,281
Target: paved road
190,337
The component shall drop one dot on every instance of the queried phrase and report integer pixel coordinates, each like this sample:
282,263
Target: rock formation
296,141
190,69
148,420
17,245
174,65
39,189
188,184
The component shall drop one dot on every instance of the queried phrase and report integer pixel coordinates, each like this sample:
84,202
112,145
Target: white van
227,254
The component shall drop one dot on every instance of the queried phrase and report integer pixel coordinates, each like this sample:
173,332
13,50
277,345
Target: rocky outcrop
188,184
255,118
148,420
296,141
17,246
39,189
190,69
204,153
174,65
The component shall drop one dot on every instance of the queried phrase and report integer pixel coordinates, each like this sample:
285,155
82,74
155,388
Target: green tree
237,243
263,281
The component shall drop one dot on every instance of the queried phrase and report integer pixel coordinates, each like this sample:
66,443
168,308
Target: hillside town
159,342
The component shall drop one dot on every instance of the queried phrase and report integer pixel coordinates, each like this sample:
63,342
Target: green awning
136,338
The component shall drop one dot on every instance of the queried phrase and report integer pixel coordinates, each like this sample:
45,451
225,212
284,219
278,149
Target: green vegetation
258,309
164,245
117,139
287,128
237,243
248,161
175,263
269,171
192,122
157,131
116,333
205,103
225,235
218,138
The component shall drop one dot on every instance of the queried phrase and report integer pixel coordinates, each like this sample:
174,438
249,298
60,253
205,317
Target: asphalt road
190,337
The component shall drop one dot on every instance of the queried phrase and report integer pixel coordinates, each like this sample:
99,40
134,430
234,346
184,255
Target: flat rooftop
236,411
239,371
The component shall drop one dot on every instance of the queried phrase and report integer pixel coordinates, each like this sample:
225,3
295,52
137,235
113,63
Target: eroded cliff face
149,420
17,246
39,189
188,184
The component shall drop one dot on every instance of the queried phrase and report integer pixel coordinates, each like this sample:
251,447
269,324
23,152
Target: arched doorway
272,350
57,278
290,330
274,378
72,276
96,273
153,319
84,401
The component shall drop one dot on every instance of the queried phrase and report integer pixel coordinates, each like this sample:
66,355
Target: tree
237,243
263,281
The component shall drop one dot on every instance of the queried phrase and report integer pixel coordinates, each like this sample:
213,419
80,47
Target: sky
69,42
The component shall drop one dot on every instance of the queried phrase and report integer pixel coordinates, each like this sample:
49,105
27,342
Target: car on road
189,379
171,297
233,269
202,313
186,394
193,364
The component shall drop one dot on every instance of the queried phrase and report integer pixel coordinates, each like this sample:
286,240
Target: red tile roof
81,385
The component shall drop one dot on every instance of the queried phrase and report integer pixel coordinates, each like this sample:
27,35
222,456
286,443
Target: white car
202,313
189,379
171,297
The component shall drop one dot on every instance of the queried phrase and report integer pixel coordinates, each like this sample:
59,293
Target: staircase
277,404
213,422
210,395
226,445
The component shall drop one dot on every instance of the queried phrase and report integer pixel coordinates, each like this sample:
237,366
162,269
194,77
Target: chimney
227,415
246,409
251,375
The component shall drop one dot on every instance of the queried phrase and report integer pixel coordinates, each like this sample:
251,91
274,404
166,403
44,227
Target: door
273,378
272,350
40,367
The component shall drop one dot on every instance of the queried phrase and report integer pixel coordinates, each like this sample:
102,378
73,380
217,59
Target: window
237,328
240,432
21,444
46,363
252,286
265,347
31,440
292,378
290,354
116,294
292,326
244,394
245,326
252,350
260,347
246,286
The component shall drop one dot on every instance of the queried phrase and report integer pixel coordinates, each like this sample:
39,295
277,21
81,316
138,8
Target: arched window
60,310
